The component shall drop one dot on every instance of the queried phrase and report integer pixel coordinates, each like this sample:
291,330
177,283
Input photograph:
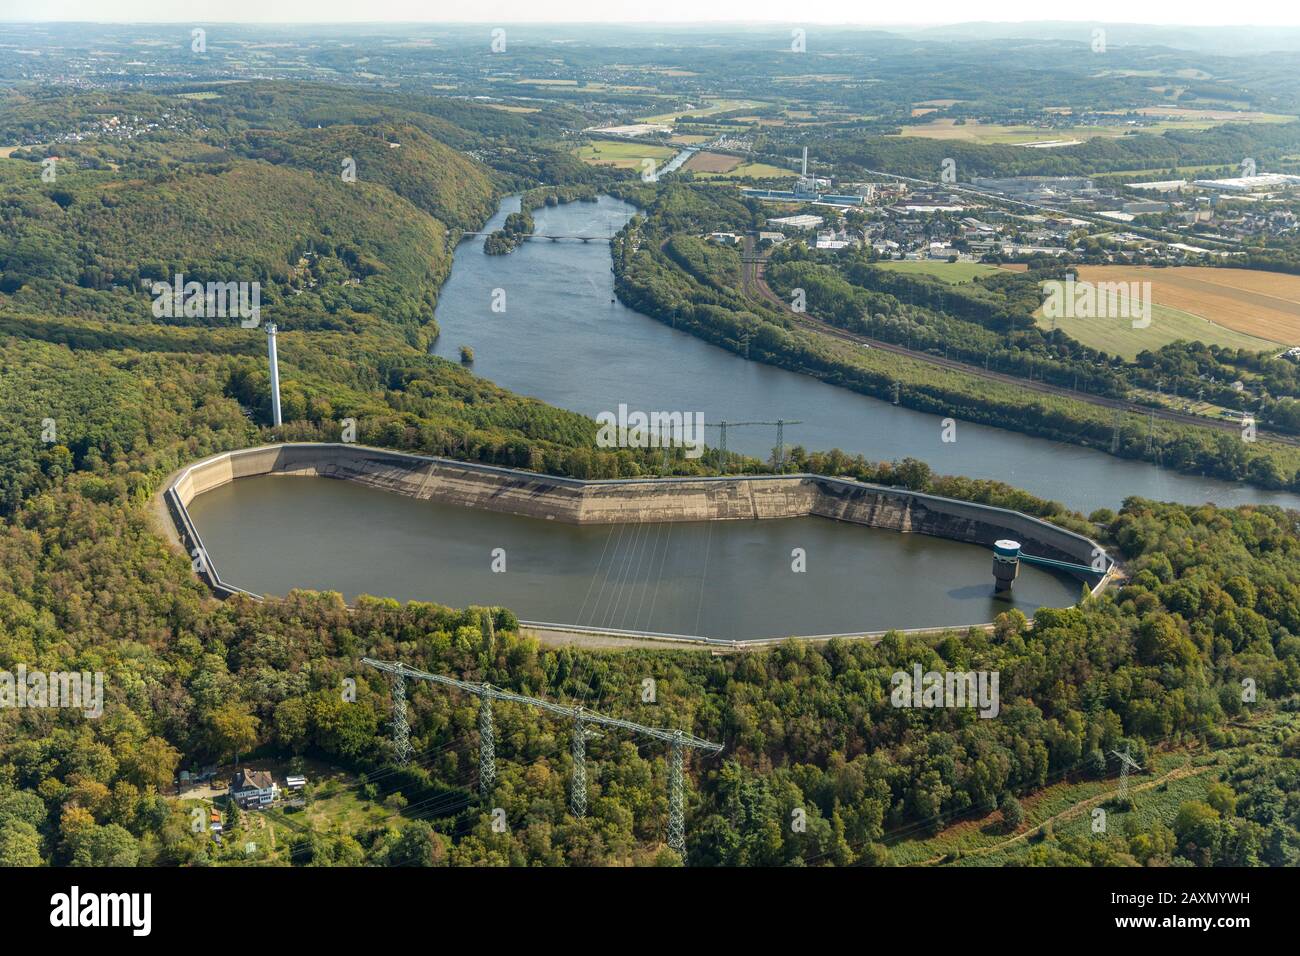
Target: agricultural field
1233,308
1118,337
711,163
1160,172
973,131
803,79
621,155
950,272
1213,115
747,171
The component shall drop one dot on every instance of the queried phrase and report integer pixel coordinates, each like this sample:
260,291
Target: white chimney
805,161
274,360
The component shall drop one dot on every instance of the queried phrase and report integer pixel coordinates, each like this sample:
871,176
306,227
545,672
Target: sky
1180,12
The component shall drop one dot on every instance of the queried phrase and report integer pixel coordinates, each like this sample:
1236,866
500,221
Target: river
563,340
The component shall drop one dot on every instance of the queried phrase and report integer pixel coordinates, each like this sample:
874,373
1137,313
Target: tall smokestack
274,360
805,160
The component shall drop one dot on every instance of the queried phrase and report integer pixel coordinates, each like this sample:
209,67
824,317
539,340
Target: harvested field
1231,308
1262,304
749,170
711,163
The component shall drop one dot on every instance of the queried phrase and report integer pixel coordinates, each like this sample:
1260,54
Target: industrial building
1263,183
796,222
806,189
1145,207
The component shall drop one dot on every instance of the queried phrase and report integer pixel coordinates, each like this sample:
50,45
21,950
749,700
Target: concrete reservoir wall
623,500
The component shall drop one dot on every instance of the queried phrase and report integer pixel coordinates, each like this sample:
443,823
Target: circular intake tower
1006,564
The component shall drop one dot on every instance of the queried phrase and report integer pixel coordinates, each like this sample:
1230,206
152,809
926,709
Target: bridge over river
551,238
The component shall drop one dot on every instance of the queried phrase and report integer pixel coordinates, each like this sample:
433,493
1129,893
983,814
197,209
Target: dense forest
516,229
1213,597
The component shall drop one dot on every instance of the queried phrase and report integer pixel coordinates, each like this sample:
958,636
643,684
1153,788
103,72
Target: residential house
253,788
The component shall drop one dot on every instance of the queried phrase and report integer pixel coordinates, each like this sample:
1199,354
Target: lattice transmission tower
584,724
1126,763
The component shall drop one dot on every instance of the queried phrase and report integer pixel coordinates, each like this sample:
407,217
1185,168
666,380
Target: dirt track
1187,770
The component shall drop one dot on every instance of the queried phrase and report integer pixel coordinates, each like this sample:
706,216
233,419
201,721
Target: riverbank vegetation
991,322
665,271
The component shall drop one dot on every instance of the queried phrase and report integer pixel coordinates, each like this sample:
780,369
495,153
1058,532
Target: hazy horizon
1157,13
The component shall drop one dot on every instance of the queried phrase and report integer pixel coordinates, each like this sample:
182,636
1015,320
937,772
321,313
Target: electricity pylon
401,729
1126,763
487,738
780,424
677,739
676,798
578,750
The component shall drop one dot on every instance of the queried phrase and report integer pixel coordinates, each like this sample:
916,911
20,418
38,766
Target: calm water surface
563,340
724,579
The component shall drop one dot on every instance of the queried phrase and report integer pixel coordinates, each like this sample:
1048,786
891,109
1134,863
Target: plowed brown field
712,163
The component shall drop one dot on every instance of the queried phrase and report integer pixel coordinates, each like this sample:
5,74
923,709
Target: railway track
753,270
